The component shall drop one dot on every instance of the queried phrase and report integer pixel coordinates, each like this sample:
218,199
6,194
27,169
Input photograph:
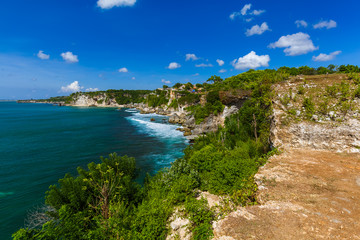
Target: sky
54,48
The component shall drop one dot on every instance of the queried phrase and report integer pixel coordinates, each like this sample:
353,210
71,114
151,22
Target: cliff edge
311,190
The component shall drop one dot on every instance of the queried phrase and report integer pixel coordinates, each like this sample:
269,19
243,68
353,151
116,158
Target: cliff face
314,119
98,101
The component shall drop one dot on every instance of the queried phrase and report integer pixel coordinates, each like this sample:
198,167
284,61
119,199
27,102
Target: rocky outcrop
94,101
234,97
179,227
210,124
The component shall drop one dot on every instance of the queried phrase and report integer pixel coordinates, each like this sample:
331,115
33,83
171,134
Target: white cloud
165,81
295,44
257,29
92,89
325,24
42,55
245,9
257,12
70,57
133,78
222,70
107,4
249,19
191,56
251,61
220,62
174,65
244,12
204,65
123,70
325,57
72,87
234,15
196,74
301,23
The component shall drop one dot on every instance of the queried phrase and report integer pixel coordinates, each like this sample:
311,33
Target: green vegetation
213,106
157,99
188,98
309,107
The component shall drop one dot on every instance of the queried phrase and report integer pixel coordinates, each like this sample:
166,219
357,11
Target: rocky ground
303,195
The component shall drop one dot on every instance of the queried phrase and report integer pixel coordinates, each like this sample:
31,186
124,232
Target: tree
177,85
215,79
332,67
82,206
188,86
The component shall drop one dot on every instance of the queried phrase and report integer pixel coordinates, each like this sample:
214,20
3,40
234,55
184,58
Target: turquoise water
39,143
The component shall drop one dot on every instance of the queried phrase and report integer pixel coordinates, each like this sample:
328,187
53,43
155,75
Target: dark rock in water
152,119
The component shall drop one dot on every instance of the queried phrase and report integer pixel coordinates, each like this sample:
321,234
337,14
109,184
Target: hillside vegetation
105,202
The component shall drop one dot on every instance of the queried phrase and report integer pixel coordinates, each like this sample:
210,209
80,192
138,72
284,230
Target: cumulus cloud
191,56
204,65
133,78
107,4
325,24
174,65
92,89
165,81
72,87
295,44
251,61
258,30
257,12
196,74
234,15
220,62
123,70
70,57
245,11
42,55
325,57
301,23
222,70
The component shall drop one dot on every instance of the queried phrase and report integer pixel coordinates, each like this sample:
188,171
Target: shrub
201,218
332,90
309,107
301,90
357,92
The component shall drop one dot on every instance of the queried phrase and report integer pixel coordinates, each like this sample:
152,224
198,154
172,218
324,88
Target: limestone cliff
312,118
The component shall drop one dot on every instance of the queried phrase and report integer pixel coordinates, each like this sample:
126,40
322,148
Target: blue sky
51,48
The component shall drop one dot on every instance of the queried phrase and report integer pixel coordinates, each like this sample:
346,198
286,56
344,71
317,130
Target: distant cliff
175,103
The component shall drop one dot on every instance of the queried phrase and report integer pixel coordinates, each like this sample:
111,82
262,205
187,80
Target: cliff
179,114
310,189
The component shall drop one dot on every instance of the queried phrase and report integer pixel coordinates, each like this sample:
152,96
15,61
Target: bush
201,218
301,90
309,107
332,90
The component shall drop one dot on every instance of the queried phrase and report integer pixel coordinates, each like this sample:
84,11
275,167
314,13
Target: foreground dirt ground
303,194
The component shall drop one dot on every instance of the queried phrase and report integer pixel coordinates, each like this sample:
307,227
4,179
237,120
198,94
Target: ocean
40,143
